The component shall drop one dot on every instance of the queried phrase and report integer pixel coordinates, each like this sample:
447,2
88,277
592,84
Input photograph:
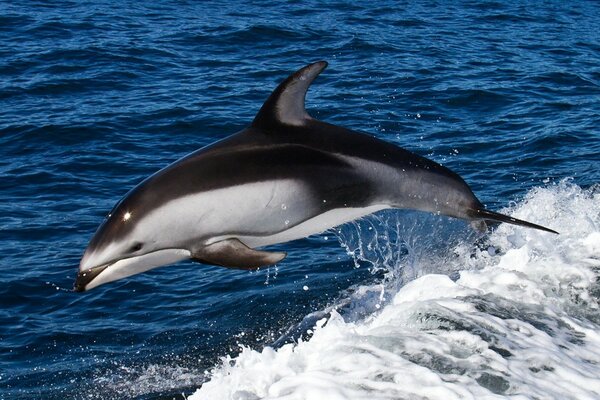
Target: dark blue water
95,97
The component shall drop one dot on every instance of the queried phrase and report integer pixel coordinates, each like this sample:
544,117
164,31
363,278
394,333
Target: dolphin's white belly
258,213
257,208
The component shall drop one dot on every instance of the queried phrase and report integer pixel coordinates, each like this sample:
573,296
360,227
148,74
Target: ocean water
399,305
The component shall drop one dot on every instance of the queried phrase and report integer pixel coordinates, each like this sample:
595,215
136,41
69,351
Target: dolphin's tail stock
483,214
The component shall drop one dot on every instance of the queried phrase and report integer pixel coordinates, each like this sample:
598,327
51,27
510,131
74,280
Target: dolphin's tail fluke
497,217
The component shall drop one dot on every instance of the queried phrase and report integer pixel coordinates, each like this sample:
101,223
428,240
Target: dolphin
285,177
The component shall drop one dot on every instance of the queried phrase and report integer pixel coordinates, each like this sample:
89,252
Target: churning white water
511,315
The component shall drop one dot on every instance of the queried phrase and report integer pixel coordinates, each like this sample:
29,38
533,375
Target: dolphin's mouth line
85,277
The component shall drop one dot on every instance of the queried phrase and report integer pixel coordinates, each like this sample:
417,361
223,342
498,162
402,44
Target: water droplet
305,288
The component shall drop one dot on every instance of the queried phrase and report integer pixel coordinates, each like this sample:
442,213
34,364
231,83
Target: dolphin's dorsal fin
286,103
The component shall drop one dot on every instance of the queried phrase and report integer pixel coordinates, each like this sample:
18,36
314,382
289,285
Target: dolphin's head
124,246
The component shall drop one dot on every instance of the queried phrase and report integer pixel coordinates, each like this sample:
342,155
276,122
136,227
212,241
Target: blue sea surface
94,97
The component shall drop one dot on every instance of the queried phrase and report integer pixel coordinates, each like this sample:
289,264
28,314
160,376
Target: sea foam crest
519,320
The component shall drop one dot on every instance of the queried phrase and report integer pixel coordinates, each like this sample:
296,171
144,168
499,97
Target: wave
512,314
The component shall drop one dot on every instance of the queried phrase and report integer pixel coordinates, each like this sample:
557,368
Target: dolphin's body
284,177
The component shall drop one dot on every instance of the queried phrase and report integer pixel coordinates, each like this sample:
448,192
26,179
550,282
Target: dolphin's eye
136,247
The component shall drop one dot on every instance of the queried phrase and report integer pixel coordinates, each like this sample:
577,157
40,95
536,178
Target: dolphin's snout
86,276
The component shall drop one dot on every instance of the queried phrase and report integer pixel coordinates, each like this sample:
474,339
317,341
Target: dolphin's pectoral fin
232,253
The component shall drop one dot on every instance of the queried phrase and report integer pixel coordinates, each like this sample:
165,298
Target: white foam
520,322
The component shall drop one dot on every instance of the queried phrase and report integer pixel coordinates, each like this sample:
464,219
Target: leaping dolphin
285,177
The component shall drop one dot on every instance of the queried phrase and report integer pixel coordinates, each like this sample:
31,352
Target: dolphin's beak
89,278
85,277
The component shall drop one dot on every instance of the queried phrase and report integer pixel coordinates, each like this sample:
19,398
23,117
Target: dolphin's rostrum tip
85,277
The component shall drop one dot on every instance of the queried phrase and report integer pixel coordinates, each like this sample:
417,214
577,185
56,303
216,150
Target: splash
398,247
519,318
